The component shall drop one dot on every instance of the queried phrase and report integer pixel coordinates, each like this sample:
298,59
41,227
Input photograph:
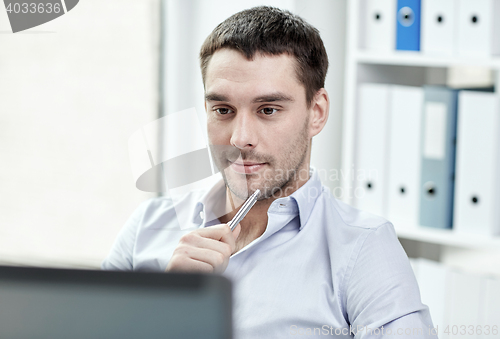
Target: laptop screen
53,303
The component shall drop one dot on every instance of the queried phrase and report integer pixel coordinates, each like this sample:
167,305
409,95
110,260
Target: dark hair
272,31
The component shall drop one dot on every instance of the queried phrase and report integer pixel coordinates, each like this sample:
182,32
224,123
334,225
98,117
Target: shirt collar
304,199
208,203
306,196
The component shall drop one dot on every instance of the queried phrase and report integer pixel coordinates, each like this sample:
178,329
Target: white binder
478,28
438,27
463,300
438,157
404,155
477,196
371,148
490,308
379,22
433,279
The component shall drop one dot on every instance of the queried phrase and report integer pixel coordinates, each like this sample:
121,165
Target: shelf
448,237
418,59
365,66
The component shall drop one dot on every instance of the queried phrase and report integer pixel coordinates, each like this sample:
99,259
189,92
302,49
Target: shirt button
202,215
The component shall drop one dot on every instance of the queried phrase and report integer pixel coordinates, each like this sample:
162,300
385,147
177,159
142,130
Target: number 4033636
459,330
33,8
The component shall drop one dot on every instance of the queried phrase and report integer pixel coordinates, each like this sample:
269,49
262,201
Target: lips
246,167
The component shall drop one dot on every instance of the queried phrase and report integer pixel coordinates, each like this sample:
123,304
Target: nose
245,133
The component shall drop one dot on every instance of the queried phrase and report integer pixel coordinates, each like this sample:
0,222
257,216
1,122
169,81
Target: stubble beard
278,178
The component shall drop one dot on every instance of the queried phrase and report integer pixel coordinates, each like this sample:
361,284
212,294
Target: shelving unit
402,68
418,59
448,237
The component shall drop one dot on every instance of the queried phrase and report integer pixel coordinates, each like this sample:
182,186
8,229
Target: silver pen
244,210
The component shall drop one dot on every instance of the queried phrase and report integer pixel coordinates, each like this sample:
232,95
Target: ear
320,107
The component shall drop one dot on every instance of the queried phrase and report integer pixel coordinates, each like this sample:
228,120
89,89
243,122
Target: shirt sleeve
382,296
120,256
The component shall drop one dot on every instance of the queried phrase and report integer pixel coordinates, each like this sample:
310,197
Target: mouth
246,167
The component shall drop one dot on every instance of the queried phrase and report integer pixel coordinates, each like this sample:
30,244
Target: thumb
236,231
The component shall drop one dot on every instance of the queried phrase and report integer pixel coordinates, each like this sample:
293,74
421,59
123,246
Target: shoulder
142,242
353,217
375,268
361,241
370,239
167,212
356,239
344,218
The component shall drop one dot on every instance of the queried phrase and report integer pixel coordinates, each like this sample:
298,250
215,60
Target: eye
223,110
268,110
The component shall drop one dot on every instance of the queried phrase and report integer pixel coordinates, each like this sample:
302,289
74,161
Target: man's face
259,107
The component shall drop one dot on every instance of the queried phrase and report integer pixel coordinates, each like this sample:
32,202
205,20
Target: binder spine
438,157
408,25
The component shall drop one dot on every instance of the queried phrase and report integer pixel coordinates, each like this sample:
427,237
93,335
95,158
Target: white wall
189,22
73,90
329,17
71,93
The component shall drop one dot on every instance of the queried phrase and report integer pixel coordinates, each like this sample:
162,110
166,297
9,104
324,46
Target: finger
228,238
219,232
215,232
196,240
236,231
186,264
217,260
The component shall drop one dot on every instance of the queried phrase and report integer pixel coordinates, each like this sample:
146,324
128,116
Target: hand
205,250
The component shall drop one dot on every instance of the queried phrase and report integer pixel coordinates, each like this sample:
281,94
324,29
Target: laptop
63,303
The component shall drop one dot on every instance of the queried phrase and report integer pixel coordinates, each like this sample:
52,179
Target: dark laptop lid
60,303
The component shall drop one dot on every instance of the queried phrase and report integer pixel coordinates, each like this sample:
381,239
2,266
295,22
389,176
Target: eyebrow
278,96
215,97
273,97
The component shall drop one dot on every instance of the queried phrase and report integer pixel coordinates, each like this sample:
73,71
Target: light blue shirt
321,268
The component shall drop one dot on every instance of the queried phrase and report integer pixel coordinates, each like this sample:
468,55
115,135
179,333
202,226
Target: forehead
231,68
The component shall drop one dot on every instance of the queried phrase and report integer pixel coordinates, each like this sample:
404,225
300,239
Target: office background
73,90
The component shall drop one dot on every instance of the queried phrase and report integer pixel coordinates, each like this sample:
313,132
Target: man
302,263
